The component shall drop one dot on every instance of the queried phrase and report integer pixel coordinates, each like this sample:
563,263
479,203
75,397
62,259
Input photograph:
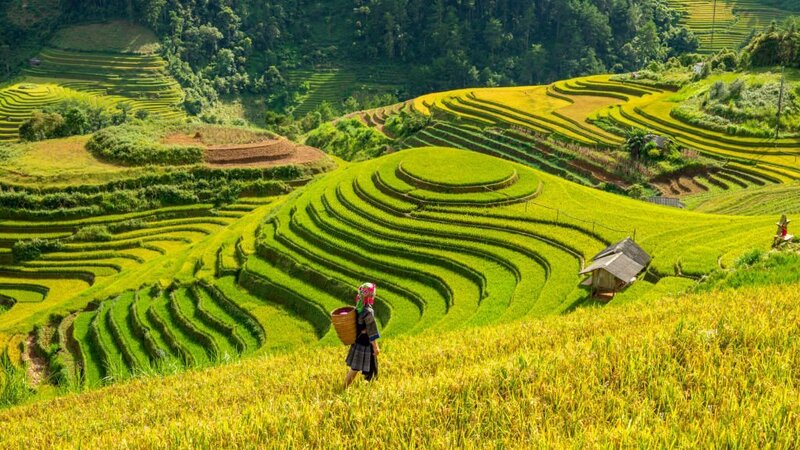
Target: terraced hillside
573,128
80,237
120,337
752,201
501,383
453,239
101,78
333,85
730,24
484,243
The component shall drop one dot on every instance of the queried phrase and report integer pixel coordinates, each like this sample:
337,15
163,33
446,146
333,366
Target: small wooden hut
35,62
615,268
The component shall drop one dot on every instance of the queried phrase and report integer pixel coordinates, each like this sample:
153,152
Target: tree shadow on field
584,301
254,107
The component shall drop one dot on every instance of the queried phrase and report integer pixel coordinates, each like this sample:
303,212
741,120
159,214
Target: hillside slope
710,370
104,66
453,238
732,22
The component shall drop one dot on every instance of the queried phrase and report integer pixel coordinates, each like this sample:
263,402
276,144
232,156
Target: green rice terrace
73,68
573,129
731,23
334,84
454,239
399,224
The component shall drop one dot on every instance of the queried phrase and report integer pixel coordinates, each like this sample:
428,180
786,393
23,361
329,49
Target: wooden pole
780,105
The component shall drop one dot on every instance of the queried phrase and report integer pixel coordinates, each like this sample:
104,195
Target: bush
41,126
349,139
406,123
637,191
73,117
93,233
137,146
32,249
750,258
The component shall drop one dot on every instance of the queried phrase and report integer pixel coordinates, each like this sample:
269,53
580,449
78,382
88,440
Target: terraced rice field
776,199
555,128
453,239
334,85
101,79
734,19
709,183
488,242
140,321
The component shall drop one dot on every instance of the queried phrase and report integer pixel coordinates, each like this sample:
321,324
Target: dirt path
36,364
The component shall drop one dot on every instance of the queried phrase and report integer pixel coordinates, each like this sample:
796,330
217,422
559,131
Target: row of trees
74,117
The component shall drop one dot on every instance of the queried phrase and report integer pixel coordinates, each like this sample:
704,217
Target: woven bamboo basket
344,322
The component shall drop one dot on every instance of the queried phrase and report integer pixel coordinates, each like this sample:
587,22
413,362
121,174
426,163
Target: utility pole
780,104
713,24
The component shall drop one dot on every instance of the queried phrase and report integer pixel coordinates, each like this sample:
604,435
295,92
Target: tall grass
13,385
711,370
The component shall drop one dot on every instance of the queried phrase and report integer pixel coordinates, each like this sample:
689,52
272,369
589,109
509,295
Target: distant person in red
363,355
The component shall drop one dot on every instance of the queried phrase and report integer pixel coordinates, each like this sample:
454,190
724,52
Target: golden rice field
571,128
711,370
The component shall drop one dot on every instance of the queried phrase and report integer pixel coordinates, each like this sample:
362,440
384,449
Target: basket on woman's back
344,322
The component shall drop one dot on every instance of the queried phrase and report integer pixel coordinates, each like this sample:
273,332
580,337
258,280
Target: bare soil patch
36,363
261,153
301,154
682,184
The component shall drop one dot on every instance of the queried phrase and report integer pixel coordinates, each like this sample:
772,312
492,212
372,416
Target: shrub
636,191
349,139
31,249
748,259
41,126
406,123
96,233
137,146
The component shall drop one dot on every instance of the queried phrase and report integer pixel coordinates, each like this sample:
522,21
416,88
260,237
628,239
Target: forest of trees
458,43
226,46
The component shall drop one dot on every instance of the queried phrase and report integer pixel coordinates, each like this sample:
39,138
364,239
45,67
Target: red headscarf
365,296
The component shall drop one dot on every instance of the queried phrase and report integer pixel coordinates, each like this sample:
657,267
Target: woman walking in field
363,355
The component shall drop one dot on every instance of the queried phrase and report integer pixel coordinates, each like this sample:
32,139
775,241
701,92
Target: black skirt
361,357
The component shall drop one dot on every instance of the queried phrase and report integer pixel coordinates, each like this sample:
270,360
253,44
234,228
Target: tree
493,34
41,126
5,59
635,142
75,122
534,65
